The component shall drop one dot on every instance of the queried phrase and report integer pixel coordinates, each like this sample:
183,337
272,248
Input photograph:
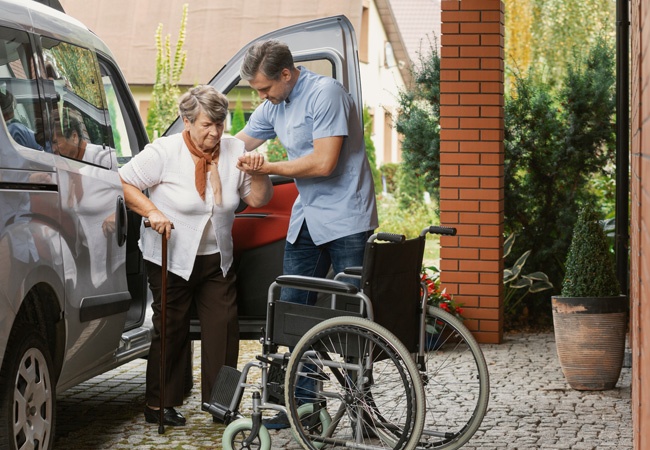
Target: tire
239,430
456,384
27,392
366,381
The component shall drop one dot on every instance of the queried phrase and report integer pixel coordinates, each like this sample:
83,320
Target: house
216,30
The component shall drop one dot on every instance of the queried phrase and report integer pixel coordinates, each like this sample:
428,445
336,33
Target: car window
21,107
79,116
125,140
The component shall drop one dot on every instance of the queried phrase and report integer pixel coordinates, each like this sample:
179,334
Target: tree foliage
370,149
238,118
555,141
169,67
80,69
419,122
545,34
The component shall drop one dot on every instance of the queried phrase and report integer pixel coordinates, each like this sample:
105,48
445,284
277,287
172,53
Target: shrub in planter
590,318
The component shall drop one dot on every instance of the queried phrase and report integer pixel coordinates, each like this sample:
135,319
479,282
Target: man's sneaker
279,422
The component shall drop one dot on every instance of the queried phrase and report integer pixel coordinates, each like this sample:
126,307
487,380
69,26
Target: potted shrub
590,316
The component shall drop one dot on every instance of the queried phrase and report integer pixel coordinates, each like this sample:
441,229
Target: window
79,127
364,35
125,139
19,100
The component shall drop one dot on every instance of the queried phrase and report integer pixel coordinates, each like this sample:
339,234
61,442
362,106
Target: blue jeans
306,258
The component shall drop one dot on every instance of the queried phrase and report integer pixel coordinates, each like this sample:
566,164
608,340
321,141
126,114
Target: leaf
522,283
516,268
540,286
508,276
431,328
540,276
507,245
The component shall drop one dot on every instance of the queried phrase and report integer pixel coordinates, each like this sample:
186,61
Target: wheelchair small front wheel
239,430
320,423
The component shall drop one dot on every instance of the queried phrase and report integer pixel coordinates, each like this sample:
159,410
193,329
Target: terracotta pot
590,339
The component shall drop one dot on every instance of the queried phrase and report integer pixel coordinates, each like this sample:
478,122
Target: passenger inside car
19,132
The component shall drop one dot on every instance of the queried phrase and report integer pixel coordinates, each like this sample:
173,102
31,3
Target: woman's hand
160,223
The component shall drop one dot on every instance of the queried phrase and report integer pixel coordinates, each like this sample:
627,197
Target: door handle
121,221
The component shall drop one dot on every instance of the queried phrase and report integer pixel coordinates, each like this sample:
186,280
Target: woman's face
205,134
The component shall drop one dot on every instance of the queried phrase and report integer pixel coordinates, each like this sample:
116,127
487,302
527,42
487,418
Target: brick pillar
472,160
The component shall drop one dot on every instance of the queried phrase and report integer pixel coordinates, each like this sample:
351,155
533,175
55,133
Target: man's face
275,91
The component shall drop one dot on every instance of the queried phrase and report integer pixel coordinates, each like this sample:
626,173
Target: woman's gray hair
268,58
203,98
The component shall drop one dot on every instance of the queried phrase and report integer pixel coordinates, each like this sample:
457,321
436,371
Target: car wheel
27,393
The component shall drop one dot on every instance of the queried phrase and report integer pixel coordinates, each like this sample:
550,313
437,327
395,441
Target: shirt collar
299,86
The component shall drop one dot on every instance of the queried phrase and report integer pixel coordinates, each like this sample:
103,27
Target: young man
318,123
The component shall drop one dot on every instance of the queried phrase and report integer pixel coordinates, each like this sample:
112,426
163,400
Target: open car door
326,46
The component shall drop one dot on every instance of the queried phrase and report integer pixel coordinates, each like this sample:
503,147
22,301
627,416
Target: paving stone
531,407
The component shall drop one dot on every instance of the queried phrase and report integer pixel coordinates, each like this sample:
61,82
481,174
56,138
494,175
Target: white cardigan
166,168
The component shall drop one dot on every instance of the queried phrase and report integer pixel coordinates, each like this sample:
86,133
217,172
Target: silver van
73,293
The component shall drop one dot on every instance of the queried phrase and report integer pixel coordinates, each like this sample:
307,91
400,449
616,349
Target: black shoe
279,422
170,417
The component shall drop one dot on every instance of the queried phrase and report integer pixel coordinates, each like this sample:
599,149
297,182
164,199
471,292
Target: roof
216,29
129,28
419,22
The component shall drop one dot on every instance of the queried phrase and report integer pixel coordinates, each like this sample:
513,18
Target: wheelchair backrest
391,278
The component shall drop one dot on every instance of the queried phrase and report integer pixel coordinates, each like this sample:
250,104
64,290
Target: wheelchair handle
390,237
433,229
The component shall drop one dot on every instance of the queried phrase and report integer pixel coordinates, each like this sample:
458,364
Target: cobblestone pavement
531,407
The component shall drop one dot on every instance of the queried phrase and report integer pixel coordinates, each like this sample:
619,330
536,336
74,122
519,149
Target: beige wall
217,29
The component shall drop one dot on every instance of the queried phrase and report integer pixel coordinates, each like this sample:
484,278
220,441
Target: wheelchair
373,367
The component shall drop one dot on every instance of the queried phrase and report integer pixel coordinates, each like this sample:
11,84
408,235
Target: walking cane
163,323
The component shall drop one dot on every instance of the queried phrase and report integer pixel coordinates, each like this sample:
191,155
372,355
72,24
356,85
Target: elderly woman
195,182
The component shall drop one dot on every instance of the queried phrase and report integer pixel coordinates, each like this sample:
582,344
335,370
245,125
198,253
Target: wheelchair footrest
223,393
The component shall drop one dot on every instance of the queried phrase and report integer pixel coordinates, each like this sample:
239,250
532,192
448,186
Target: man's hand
253,163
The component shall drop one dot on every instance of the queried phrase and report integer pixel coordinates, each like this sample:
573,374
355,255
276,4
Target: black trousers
216,304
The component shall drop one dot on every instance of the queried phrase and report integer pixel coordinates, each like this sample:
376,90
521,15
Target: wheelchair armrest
356,271
322,284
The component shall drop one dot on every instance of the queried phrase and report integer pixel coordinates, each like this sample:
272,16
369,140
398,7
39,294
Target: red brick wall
640,218
472,160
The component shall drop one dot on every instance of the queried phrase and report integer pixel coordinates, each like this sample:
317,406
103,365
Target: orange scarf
202,168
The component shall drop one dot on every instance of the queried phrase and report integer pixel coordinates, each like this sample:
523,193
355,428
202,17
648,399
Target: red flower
437,296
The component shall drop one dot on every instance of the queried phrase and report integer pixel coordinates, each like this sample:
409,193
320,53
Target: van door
96,292
326,46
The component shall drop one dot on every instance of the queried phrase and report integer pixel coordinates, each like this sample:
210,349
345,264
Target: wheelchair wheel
365,379
456,383
237,432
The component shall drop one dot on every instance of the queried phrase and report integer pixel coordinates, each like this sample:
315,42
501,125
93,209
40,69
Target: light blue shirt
342,203
22,135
